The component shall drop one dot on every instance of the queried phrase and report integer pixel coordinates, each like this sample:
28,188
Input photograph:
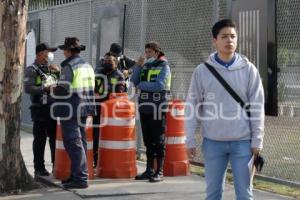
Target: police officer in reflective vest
36,84
153,79
75,106
125,64
109,80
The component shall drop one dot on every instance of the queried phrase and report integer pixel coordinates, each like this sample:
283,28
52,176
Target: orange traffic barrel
117,144
62,165
89,152
176,160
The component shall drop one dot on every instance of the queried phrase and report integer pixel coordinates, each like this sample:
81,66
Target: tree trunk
13,173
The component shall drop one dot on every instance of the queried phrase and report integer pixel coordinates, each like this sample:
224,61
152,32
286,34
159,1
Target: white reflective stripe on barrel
89,145
177,112
60,145
175,140
107,121
109,144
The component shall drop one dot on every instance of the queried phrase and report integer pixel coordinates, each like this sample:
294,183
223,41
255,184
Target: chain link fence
183,30
283,132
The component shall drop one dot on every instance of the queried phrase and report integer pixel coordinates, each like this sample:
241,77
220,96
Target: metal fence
283,132
183,30
43,4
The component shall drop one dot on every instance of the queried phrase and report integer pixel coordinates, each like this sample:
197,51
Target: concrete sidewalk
175,188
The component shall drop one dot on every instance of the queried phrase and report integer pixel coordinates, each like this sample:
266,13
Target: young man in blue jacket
153,79
230,135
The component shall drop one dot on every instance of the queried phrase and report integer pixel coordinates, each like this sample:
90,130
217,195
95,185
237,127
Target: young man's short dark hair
112,55
116,49
220,25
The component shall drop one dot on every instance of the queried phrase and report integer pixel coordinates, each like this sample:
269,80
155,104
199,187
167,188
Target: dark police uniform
76,86
154,81
43,124
106,83
124,63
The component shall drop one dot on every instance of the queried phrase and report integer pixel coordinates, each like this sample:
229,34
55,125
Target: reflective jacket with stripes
75,89
154,81
109,82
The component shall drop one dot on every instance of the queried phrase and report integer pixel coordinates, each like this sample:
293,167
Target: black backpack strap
122,63
229,89
39,71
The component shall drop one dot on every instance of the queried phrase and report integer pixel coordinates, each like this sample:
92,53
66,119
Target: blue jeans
216,157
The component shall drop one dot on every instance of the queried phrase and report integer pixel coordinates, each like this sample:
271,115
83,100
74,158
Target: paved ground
175,188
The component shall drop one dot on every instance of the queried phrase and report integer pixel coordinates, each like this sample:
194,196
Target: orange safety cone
62,165
176,160
117,145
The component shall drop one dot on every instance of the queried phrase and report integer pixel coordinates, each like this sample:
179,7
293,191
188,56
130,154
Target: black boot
68,180
158,176
148,173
